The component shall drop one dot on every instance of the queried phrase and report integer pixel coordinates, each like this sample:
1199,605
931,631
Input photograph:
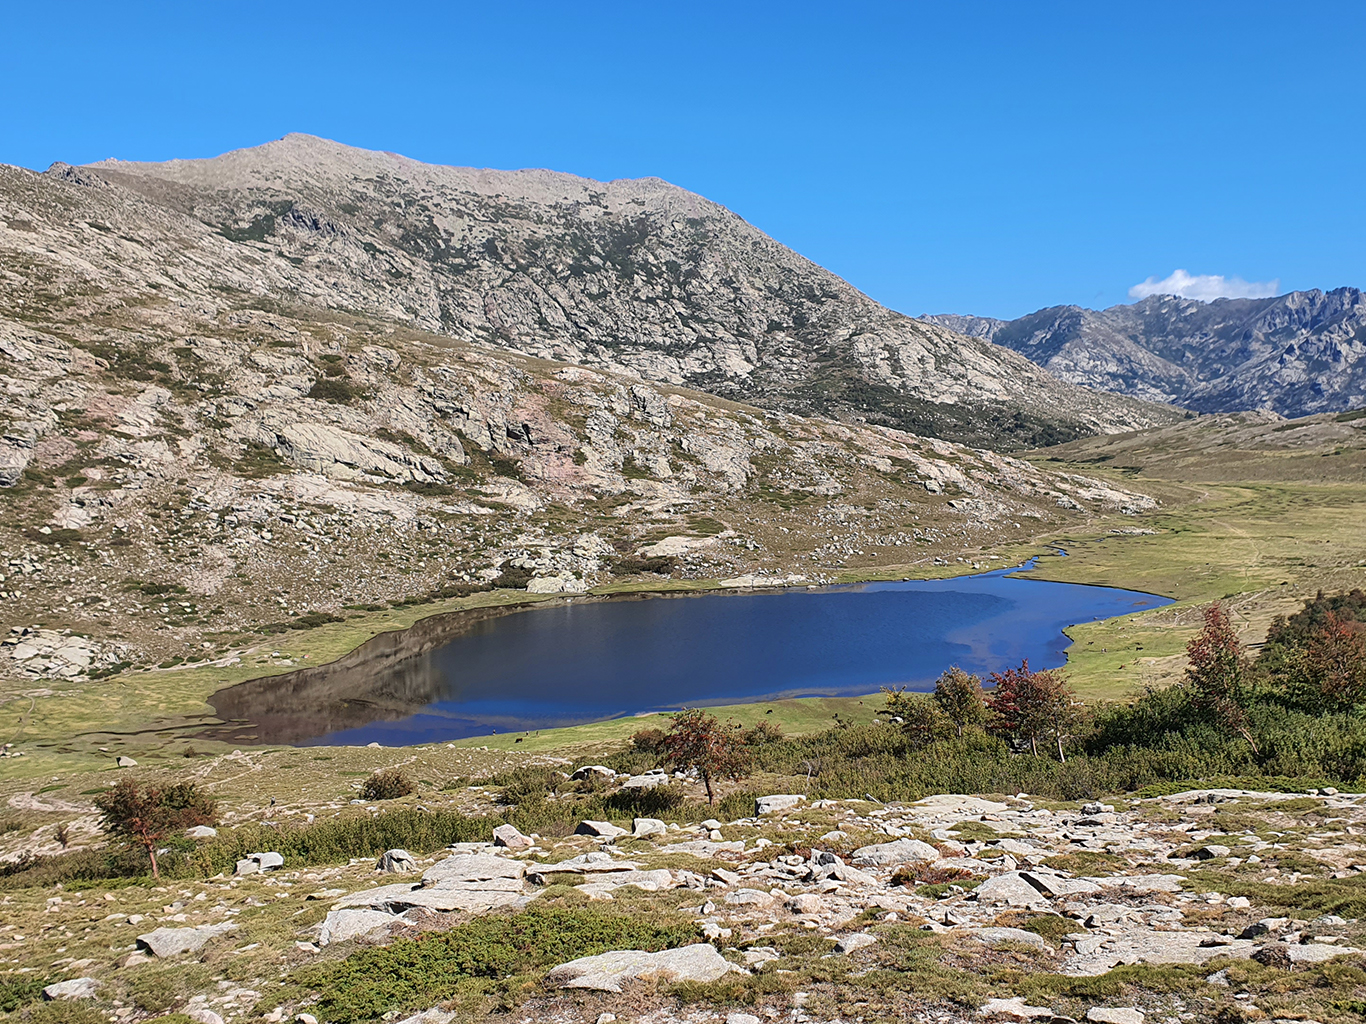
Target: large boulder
396,862
642,827
173,941
607,972
601,829
902,851
509,837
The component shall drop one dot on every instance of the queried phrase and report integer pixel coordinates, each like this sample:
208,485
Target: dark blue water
587,662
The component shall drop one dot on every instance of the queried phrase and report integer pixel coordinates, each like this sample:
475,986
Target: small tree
1335,660
698,742
1217,673
1031,705
146,815
959,695
920,716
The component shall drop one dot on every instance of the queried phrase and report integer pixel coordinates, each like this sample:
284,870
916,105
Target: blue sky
979,157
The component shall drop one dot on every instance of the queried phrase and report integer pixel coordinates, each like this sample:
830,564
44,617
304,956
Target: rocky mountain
634,276
1296,354
206,438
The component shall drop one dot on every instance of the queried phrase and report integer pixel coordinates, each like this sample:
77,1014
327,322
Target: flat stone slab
445,896
1003,936
607,972
952,803
1056,885
172,941
1014,1009
901,851
473,867
584,864
1115,1015
777,802
342,925
1139,884
705,847
469,901
76,988
650,881
1009,888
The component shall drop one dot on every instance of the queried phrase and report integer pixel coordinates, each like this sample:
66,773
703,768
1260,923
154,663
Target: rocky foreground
951,908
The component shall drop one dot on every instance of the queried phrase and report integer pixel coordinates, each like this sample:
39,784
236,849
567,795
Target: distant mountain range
1296,354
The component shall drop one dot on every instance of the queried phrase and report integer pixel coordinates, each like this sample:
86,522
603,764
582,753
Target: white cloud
1205,287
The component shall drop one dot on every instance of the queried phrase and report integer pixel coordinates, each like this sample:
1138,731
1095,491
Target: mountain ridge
1296,354
633,275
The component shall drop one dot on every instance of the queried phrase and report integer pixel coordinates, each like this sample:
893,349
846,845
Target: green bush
500,951
386,784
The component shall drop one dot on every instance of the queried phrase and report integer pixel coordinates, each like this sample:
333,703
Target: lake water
588,661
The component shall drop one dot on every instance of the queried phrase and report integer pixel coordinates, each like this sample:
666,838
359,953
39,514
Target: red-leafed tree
1218,671
1032,705
1335,660
698,742
146,815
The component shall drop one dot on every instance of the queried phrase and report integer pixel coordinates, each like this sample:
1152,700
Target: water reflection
585,660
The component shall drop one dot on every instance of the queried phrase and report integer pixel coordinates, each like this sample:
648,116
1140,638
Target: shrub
504,950
649,741
386,784
334,390
512,577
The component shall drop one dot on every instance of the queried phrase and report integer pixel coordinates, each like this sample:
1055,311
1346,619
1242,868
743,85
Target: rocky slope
192,444
1297,354
626,275
1205,904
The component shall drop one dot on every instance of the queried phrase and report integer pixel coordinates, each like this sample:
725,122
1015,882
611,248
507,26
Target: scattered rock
642,827
601,829
777,802
1009,888
1015,1009
202,832
396,861
1115,1015
607,972
856,940
902,851
1210,852
124,761
589,771
76,988
203,1015
509,837
341,925
806,904
254,863
172,941
1002,936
